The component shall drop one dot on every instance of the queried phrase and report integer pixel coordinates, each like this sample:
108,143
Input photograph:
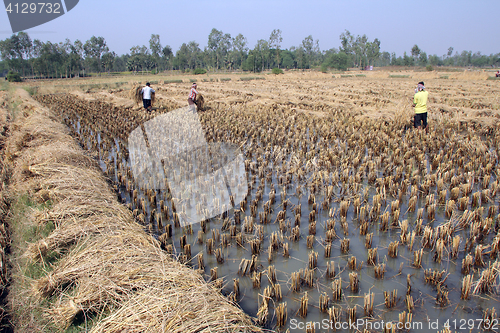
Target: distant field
373,94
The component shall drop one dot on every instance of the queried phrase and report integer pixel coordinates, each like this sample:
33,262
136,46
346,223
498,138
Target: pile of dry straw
109,267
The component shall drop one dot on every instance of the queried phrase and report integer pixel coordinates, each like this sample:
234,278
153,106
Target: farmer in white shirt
146,96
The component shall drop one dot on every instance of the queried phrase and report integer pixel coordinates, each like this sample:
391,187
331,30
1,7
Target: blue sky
433,25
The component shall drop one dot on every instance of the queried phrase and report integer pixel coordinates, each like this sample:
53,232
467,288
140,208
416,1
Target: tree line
34,58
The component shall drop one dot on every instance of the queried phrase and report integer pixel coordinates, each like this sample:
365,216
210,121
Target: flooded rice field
343,219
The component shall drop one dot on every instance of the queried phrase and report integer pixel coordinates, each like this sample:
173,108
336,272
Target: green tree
240,47
194,55
415,52
300,57
250,62
17,51
422,59
219,45
80,51
7,49
435,60
108,60
49,59
14,77
338,61
214,43
396,61
155,47
373,51
167,56
307,45
120,63
407,60
138,60
450,51
181,60
287,59
360,49
261,50
94,48
384,59
346,42
72,61
275,41
225,45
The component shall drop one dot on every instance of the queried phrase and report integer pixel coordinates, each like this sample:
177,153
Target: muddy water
426,316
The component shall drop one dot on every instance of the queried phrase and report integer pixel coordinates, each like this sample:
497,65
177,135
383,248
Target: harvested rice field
348,215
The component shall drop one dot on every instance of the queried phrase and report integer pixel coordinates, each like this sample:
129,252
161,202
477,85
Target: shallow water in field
426,313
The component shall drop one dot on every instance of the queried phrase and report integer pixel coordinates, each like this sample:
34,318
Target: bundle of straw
122,259
197,310
136,94
200,102
75,230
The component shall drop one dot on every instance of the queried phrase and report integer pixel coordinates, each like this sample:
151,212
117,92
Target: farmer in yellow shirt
420,105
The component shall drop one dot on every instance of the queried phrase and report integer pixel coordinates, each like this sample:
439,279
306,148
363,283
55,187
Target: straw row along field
347,213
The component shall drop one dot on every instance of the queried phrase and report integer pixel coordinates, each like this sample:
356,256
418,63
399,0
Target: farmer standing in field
420,105
192,98
146,92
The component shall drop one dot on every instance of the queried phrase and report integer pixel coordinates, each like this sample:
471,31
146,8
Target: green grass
394,76
360,75
172,81
28,312
117,73
346,75
447,69
13,108
224,79
199,71
30,232
493,78
4,85
277,71
249,78
444,77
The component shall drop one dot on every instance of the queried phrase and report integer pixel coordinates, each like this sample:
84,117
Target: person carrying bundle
147,93
192,97
420,105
